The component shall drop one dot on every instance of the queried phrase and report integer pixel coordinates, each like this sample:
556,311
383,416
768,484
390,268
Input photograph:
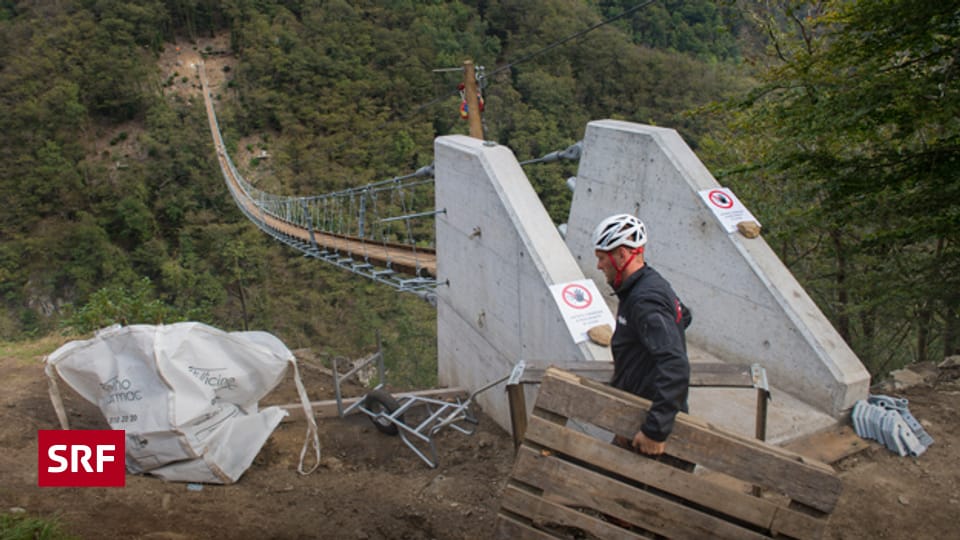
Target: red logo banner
81,458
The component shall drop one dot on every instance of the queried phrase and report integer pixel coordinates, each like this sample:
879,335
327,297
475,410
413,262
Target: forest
835,122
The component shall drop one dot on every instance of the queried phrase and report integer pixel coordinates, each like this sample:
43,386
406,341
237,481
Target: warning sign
727,208
577,296
581,306
720,199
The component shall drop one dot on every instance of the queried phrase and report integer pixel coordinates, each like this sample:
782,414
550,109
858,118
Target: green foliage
122,136
136,304
24,527
601,75
705,28
25,352
852,149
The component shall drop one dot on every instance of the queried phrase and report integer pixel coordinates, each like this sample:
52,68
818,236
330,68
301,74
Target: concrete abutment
499,252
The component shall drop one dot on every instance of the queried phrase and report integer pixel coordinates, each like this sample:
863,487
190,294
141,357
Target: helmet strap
619,277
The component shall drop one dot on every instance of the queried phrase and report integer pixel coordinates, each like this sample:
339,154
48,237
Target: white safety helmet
619,230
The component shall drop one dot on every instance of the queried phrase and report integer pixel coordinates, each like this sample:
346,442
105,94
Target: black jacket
650,350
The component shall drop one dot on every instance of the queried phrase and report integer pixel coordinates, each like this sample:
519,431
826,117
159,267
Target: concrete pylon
499,253
747,307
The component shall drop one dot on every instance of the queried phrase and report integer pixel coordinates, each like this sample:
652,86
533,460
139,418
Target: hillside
118,185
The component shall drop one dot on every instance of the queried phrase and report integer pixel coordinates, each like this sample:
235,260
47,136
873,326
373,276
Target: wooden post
518,413
761,427
762,414
473,103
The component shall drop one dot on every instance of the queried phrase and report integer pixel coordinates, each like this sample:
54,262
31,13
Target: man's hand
622,442
646,445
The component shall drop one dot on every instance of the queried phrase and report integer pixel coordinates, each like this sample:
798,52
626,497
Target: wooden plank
790,523
602,494
581,385
328,408
694,488
807,482
721,375
549,416
697,489
546,514
697,423
829,446
597,370
518,413
509,528
761,416
701,373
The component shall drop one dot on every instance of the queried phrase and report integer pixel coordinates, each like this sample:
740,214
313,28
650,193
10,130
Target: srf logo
81,458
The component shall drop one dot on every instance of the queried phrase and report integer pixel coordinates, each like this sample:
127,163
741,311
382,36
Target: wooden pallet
567,484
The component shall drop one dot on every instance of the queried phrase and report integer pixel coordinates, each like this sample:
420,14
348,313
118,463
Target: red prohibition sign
720,199
576,296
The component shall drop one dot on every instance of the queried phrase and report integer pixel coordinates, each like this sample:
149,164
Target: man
649,347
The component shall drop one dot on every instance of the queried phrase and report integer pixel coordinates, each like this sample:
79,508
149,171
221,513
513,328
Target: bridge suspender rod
309,220
410,216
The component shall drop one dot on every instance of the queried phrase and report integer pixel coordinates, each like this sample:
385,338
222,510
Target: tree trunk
868,325
923,333
843,318
243,305
951,303
951,330
241,295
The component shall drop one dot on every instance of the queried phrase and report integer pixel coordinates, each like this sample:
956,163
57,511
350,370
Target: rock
950,362
750,229
601,334
332,463
949,369
906,378
439,487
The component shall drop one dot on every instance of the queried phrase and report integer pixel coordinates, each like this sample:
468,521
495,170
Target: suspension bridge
370,230
382,230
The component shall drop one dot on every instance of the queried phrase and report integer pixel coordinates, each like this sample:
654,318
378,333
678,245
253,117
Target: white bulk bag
186,395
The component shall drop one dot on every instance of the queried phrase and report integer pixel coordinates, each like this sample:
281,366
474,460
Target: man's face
606,265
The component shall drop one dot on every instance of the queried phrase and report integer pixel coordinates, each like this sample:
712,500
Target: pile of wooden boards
568,484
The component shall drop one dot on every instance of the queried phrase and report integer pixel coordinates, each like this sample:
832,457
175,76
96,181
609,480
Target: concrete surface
735,409
747,307
499,252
